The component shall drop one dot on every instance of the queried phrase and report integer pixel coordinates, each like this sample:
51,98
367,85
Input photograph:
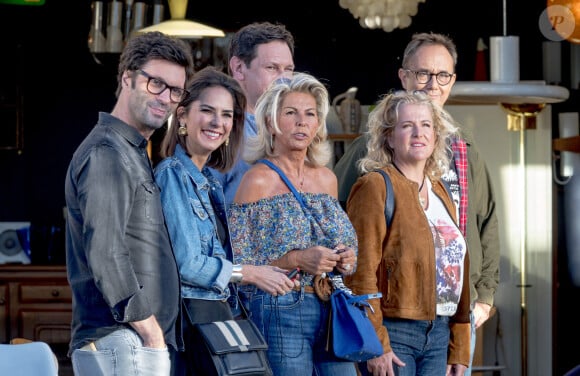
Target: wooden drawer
36,304
47,326
30,293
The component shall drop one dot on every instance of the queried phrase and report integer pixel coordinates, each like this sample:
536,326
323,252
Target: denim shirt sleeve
231,180
196,246
106,193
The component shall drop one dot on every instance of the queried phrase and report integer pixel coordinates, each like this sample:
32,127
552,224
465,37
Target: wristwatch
237,275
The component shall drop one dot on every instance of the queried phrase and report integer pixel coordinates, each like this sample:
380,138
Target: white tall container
504,55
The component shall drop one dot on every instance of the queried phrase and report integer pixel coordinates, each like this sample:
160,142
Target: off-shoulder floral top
265,230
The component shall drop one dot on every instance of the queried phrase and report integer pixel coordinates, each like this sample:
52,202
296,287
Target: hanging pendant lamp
180,27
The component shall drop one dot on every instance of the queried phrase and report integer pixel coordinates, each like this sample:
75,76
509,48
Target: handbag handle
357,298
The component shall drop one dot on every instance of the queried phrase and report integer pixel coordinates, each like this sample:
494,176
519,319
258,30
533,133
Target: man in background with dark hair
259,53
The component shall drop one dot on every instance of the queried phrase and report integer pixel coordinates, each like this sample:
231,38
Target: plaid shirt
459,148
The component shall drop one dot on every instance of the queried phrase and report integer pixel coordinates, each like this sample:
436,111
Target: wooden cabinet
35,303
3,311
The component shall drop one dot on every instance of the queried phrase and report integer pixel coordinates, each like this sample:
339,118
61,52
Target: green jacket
482,225
399,261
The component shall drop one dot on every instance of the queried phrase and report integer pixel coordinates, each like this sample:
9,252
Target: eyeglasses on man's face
423,77
157,86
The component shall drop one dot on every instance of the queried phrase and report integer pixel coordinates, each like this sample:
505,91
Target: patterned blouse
265,230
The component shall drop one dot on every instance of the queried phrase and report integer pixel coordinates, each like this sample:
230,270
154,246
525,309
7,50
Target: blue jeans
121,353
295,327
422,345
472,344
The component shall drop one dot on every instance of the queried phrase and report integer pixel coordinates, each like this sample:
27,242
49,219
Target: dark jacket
120,263
400,260
482,227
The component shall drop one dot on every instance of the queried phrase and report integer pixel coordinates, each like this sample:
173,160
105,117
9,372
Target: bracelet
237,275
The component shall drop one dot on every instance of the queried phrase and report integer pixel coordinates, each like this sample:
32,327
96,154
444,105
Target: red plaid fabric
459,148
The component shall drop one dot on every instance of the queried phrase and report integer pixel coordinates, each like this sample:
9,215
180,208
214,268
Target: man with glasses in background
429,64
120,265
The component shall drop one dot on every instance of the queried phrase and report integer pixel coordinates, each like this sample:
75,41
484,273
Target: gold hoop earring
227,141
182,131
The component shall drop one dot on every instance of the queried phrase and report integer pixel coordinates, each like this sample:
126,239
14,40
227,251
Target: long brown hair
224,157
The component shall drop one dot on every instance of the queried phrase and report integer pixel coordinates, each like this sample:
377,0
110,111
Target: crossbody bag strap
390,200
285,179
358,298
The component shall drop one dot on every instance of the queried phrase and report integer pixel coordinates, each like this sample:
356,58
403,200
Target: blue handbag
352,335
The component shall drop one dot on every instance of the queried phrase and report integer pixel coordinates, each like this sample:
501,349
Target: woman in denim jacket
206,131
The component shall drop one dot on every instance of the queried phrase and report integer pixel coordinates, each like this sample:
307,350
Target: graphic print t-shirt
450,250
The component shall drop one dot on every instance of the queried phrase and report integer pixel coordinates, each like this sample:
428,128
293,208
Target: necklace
421,199
301,189
301,184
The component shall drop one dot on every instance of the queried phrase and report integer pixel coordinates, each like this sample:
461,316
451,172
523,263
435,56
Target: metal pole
523,277
504,13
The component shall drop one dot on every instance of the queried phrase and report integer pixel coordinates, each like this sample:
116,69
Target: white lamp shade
184,29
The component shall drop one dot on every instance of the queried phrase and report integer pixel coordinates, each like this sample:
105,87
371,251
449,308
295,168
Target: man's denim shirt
191,201
120,264
232,179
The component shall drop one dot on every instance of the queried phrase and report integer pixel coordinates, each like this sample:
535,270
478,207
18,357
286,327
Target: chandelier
382,14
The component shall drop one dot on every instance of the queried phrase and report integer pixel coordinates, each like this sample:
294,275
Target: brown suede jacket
401,260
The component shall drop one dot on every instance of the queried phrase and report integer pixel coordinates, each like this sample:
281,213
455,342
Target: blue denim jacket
231,179
192,203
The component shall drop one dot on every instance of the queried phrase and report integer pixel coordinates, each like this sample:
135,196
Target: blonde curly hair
381,124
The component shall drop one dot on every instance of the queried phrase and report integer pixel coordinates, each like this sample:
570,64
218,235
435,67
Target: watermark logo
557,23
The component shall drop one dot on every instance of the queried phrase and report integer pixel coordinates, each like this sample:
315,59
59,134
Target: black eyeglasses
443,78
157,86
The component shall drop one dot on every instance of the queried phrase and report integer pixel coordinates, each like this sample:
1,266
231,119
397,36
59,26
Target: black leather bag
233,348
